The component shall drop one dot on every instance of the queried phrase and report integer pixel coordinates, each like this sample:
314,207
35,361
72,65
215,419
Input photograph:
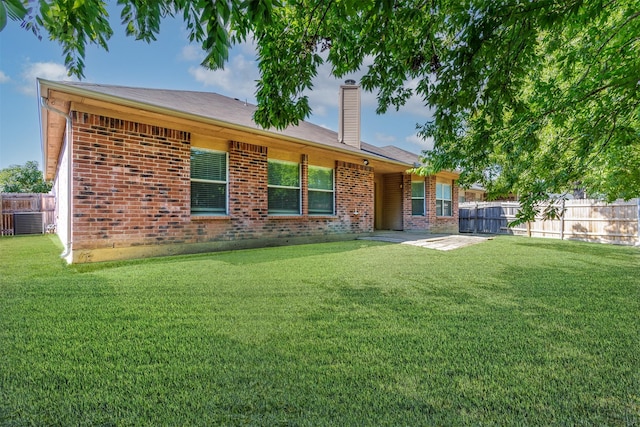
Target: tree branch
606,42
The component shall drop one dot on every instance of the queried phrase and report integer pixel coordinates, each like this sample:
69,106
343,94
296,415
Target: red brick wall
429,222
132,188
413,222
354,197
131,183
247,191
441,224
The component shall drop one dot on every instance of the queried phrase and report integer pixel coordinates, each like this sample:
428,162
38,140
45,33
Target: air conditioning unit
28,223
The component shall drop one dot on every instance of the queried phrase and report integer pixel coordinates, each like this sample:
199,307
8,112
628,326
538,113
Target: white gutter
69,142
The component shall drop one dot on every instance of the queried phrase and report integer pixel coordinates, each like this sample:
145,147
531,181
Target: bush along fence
26,213
587,220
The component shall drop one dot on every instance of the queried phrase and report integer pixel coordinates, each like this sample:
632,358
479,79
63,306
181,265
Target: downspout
69,141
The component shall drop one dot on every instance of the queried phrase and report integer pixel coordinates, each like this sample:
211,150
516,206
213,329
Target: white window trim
322,190
299,187
450,200
423,198
210,181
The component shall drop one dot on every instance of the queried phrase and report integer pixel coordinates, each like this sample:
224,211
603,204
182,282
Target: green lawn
511,331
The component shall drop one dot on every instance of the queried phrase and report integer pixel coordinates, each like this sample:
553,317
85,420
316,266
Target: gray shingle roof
209,105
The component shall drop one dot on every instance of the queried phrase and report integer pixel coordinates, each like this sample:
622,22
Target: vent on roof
28,223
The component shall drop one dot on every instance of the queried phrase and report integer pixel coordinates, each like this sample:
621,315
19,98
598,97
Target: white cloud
384,138
192,53
249,47
45,70
325,92
237,79
320,110
417,107
423,144
4,78
326,87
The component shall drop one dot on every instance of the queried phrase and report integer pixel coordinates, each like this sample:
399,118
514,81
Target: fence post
475,219
562,221
638,231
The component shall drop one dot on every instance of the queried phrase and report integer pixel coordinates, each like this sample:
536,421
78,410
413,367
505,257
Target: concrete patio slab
441,242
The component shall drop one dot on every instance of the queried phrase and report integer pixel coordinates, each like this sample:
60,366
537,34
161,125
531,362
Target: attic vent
28,223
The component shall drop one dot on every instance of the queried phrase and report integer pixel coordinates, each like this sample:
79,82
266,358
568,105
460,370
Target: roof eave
82,92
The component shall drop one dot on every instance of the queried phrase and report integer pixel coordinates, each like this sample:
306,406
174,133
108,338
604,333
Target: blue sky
168,63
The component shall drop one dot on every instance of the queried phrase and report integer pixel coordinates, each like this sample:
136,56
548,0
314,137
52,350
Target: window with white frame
443,199
417,198
283,184
209,177
320,191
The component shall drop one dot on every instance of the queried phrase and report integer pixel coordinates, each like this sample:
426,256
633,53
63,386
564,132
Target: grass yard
511,331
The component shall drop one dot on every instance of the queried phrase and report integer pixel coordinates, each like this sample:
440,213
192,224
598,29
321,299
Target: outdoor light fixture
366,162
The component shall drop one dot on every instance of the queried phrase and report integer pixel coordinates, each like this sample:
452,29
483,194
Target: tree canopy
528,97
25,178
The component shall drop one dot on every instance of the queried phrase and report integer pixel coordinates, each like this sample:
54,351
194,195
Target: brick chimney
349,114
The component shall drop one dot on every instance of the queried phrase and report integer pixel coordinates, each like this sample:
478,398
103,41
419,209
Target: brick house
148,172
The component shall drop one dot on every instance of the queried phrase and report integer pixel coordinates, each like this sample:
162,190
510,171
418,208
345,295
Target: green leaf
13,9
527,98
3,16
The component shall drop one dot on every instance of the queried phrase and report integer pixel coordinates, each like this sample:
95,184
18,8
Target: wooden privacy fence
26,213
588,220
